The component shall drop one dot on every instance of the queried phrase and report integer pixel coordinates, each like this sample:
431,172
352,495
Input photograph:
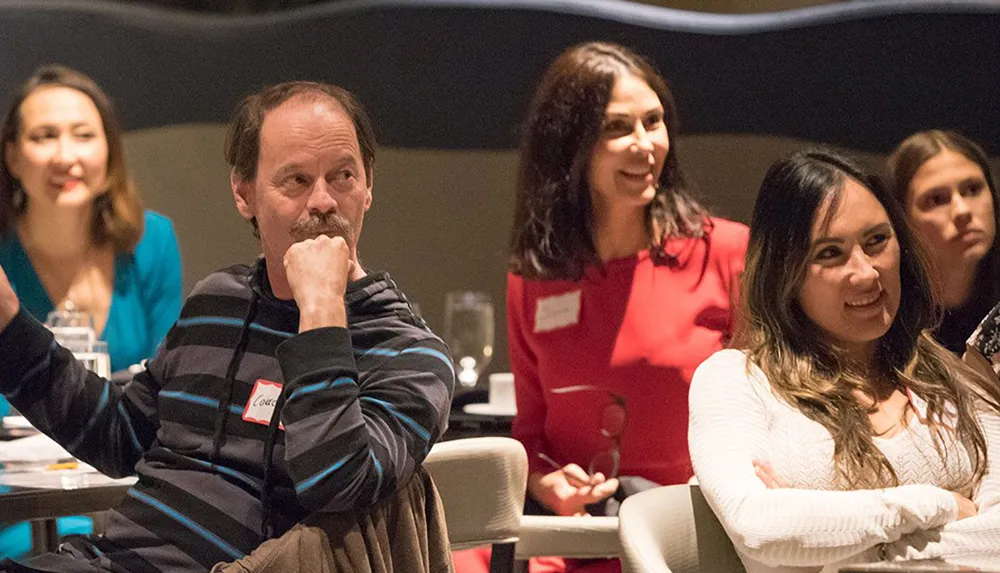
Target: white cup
502,392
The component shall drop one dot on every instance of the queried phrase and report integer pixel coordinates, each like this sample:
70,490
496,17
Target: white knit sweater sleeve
787,527
973,537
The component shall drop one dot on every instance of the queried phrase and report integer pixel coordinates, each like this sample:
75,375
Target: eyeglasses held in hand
614,418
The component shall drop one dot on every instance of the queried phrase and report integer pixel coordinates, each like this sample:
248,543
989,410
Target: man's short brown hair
243,138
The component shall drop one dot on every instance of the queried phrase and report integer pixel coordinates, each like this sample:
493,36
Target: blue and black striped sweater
360,408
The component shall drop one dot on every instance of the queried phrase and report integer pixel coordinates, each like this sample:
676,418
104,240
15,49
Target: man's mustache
330,224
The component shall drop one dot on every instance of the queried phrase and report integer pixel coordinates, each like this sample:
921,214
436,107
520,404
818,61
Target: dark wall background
447,81
451,74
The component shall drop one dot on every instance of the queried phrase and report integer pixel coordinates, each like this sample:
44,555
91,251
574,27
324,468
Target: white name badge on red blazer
260,405
557,311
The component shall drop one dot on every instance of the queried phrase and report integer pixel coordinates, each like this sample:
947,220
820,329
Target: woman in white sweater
839,431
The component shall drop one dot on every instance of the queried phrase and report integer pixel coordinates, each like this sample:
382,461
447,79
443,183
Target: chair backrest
482,483
672,529
586,537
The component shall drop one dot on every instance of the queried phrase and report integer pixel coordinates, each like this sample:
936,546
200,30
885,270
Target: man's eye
296,180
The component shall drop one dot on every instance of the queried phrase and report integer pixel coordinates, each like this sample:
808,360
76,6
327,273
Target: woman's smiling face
60,155
631,148
851,289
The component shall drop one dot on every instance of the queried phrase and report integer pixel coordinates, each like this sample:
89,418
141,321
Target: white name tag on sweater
557,311
260,406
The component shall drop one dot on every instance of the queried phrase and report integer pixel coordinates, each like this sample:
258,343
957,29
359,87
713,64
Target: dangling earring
18,197
102,203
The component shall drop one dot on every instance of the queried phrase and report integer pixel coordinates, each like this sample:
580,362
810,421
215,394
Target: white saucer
487,409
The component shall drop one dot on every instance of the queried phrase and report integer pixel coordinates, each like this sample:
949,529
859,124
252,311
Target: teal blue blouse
145,302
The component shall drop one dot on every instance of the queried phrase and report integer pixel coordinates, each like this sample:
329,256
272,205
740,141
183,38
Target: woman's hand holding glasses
569,489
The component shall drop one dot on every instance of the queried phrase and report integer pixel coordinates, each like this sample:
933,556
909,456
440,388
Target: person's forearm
977,536
790,527
83,412
323,314
345,446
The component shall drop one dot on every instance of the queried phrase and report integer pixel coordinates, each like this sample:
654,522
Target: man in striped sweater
301,384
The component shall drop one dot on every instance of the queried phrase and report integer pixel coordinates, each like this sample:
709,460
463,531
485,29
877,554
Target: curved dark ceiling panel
457,74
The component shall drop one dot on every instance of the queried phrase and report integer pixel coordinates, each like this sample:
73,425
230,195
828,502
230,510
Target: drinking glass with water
96,358
74,330
468,328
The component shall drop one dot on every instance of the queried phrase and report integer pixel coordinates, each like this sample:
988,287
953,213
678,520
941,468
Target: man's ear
10,157
368,191
243,194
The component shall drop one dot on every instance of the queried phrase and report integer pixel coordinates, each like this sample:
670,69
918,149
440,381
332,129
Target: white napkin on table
38,449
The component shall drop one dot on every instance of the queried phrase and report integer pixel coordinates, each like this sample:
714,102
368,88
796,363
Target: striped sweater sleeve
348,441
787,527
94,419
973,537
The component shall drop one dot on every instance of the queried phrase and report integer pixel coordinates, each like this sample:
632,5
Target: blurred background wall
440,220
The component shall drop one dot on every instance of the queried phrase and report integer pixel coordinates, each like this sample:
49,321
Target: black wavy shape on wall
453,74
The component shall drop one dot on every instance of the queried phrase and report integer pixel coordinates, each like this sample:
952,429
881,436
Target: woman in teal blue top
146,296
73,232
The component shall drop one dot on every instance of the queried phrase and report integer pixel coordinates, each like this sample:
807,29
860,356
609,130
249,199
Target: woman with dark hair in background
837,430
943,181
73,232
620,284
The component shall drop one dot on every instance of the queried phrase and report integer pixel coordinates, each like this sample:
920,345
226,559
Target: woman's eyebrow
879,227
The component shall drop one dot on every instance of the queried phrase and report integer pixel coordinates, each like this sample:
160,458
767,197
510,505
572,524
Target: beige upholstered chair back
481,482
672,529
576,537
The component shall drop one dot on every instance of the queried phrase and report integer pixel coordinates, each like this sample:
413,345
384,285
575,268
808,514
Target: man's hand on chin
318,271
9,305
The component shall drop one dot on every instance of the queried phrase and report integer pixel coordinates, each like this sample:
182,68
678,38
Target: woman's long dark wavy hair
804,367
118,212
552,235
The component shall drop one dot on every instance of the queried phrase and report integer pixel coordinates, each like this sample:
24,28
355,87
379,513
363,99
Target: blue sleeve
158,259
